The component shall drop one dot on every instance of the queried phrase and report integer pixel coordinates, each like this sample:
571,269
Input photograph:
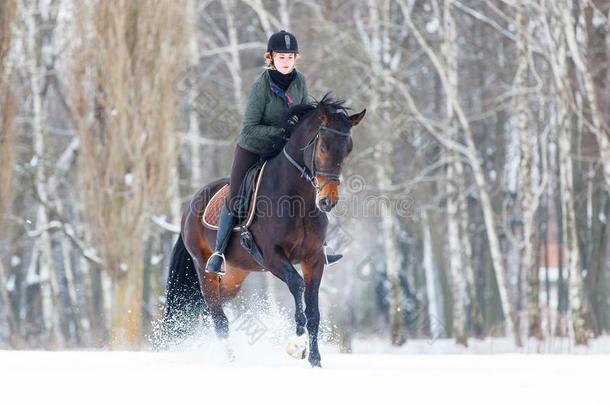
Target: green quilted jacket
260,132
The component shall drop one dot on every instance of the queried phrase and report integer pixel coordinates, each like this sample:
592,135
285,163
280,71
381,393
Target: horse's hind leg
210,288
208,283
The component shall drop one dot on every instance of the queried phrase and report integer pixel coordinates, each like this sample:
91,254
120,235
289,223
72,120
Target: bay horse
305,173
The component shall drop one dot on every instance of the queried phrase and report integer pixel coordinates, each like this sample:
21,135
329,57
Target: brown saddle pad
211,214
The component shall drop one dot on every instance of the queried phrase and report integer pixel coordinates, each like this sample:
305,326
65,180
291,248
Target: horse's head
332,146
327,141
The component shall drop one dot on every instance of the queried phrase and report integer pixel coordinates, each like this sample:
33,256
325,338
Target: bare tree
470,153
557,40
379,49
124,101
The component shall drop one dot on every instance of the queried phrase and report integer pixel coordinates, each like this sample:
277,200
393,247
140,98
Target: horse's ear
356,118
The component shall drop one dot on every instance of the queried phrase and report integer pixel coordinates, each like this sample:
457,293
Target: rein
311,175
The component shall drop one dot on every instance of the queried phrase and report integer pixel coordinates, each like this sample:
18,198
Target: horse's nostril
325,204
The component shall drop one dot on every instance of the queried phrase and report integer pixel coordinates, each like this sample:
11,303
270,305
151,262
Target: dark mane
299,112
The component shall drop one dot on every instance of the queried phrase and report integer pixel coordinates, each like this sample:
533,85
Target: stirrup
223,265
333,259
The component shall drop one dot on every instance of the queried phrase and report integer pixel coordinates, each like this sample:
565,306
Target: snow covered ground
435,371
265,374
198,371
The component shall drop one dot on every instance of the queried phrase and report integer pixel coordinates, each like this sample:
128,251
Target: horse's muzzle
326,204
328,193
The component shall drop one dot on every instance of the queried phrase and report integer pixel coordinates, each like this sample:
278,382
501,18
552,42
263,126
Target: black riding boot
216,263
332,259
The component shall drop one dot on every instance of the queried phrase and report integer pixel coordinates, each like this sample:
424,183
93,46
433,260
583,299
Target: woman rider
279,86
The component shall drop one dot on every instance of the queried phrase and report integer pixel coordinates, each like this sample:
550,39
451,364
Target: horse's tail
184,304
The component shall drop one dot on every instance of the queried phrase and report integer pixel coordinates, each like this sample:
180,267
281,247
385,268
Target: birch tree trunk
529,200
570,236
48,273
455,258
432,294
467,259
456,265
379,51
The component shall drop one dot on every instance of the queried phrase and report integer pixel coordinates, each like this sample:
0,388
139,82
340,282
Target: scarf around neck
282,80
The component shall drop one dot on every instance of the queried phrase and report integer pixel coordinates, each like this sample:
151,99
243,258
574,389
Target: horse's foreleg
296,285
285,271
313,268
297,346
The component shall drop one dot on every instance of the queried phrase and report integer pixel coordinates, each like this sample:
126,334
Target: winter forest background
474,205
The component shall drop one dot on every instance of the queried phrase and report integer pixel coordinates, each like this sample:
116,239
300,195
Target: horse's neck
279,165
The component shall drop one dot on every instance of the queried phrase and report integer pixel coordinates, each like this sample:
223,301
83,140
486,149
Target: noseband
311,176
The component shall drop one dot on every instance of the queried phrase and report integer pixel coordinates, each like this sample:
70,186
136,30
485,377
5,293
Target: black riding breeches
242,161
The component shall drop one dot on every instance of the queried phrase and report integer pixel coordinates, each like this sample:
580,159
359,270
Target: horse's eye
323,148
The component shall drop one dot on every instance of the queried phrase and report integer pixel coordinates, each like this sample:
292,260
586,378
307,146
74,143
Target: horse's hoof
315,363
229,351
298,346
230,356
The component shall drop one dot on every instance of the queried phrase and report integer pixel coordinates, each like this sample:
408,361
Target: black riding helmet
282,41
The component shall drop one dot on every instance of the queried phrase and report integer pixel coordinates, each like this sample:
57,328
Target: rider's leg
242,161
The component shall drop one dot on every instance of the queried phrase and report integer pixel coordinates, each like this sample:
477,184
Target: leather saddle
248,192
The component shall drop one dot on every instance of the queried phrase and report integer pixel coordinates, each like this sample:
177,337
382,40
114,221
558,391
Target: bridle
311,176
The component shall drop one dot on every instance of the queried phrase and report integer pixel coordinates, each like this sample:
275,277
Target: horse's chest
315,227
311,235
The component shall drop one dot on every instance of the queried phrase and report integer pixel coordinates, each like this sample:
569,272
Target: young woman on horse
277,88
303,165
